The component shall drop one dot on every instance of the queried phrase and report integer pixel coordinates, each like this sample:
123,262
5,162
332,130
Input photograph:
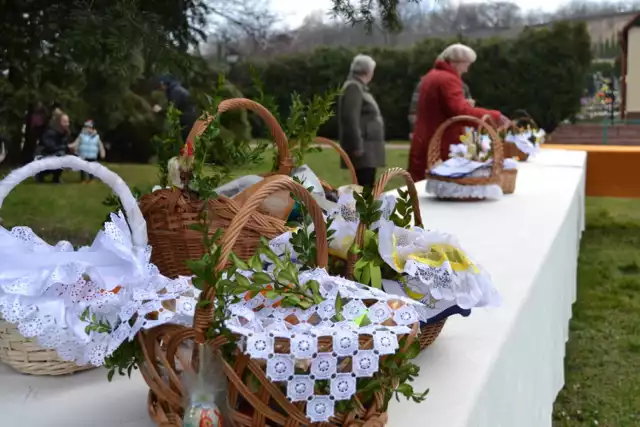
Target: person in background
54,142
413,107
361,127
180,97
88,146
441,97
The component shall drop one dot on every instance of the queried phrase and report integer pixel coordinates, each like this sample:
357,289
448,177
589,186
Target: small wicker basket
511,150
268,406
497,168
23,354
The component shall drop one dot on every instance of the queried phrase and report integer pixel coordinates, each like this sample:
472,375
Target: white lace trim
456,279
453,190
45,289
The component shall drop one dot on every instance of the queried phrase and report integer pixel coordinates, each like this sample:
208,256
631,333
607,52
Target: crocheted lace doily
310,334
45,289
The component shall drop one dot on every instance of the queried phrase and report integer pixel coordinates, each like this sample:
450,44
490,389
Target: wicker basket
428,332
163,359
25,355
343,155
495,178
509,177
511,151
508,183
170,213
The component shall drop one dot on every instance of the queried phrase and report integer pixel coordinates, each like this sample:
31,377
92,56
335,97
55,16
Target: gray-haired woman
360,121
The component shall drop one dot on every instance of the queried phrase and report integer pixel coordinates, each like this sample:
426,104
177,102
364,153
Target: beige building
602,28
630,42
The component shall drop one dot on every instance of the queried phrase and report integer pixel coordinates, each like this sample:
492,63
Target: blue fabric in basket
451,311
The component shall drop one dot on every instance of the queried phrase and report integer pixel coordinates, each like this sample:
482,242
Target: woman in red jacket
441,97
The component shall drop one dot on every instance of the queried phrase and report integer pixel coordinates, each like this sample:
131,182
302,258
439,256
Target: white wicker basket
23,354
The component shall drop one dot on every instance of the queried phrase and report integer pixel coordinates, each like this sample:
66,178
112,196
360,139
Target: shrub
541,71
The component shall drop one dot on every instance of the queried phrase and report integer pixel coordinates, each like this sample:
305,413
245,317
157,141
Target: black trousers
56,175
366,177
84,176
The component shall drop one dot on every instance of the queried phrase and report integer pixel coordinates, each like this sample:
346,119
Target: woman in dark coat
360,121
54,142
441,98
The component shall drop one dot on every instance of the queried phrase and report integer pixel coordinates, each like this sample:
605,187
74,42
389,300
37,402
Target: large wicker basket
25,355
170,213
165,356
497,169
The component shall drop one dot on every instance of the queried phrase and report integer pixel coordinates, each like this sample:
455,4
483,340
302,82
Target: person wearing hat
89,147
180,97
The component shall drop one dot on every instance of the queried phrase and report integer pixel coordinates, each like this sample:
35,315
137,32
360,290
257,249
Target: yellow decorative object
440,253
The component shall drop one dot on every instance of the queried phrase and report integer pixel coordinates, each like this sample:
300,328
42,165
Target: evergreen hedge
541,71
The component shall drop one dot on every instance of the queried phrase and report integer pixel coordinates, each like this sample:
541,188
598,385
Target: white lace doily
45,289
306,359
440,269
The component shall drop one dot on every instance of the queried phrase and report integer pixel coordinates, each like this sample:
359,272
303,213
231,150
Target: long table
498,368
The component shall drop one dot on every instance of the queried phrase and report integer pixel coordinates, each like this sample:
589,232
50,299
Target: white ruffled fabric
458,168
523,143
45,290
437,267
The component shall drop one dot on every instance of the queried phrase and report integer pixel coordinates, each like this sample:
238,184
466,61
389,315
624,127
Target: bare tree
246,24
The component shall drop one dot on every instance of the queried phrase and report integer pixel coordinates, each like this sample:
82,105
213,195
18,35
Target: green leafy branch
394,377
283,283
126,358
403,212
370,268
168,143
303,241
304,119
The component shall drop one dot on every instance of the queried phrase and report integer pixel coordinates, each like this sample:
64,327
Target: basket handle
436,142
272,185
134,217
526,119
507,127
285,161
203,316
343,155
378,189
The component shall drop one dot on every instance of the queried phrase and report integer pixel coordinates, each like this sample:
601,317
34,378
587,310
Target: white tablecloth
498,368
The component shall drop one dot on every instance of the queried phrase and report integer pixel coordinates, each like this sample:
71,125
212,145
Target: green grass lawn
74,211
603,354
